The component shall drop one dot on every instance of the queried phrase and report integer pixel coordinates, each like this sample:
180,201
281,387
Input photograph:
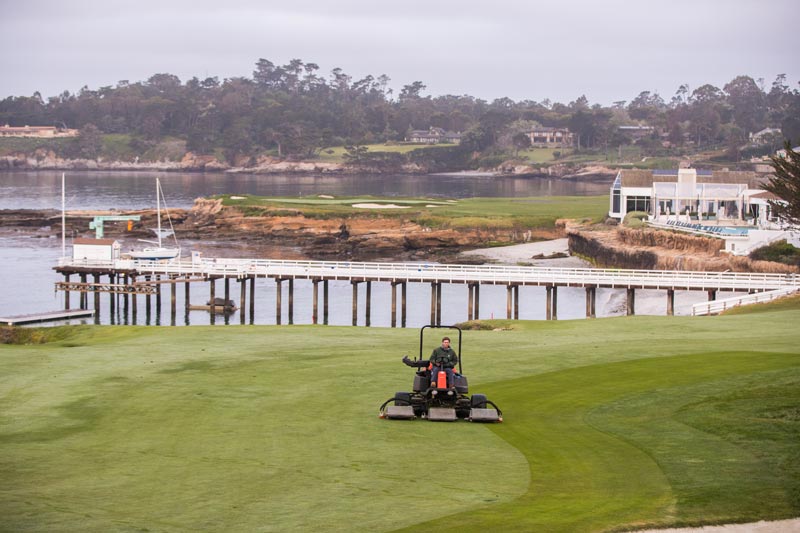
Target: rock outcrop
191,162
42,159
368,236
649,249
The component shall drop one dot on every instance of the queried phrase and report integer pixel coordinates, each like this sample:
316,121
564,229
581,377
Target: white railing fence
717,306
499,274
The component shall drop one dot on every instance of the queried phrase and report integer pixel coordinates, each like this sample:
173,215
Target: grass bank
470,212
610,424
335,154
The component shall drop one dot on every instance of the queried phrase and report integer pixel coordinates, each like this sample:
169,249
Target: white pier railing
443,273
717,306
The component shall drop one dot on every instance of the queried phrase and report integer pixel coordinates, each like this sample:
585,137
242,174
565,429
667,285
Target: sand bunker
380,206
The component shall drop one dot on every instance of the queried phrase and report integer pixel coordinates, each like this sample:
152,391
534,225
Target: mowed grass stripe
728,446
606,449
248,429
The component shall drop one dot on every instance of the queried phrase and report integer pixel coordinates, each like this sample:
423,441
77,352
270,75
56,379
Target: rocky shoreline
356,237
371,237
654,249
47,160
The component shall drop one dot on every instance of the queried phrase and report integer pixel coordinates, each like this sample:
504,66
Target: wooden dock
50,316
145,278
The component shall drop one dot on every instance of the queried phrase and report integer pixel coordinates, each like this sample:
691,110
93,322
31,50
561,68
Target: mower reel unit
433,398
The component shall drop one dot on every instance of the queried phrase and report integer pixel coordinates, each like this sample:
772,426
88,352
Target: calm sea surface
26,259
135,190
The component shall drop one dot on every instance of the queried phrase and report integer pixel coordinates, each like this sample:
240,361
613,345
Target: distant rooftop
646,178
674,172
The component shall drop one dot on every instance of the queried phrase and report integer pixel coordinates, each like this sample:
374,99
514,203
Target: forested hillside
293,111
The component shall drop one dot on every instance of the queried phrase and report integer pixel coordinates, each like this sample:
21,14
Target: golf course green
610,425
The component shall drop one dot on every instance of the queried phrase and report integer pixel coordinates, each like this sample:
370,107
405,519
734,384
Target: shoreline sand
610,302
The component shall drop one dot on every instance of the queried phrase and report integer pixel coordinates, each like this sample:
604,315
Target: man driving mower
443,358
439,391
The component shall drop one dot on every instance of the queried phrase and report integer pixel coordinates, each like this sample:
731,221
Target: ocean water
27,257
136,190
27,261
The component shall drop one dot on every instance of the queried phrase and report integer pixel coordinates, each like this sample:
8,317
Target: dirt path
525,253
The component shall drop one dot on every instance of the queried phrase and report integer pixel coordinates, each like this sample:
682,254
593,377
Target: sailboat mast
158,209
63,217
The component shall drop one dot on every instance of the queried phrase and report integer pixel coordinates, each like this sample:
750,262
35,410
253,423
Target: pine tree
785,184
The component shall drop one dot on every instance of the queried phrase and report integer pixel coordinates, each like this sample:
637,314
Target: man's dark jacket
444,358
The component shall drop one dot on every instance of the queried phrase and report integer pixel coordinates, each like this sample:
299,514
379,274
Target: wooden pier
50,316
130,278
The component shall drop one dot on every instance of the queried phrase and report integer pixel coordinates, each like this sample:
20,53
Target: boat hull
155,254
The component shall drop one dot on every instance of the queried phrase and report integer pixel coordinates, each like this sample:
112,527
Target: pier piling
433,303
325,302
173,300
278,295
315,301
132,280
355,302
394,305
631,301
403,305
242,300
368,320
66,293
291,301
252,299
83,296
212,292
96,278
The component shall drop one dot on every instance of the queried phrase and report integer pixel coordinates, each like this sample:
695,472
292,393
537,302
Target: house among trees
547,137
636,133
42,132
433,136
766,136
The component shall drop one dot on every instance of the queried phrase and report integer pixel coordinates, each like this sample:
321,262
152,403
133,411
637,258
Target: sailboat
159,252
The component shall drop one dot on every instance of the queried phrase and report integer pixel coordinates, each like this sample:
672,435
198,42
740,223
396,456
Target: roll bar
458,351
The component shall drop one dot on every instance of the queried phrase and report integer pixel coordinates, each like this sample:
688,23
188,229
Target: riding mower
436,398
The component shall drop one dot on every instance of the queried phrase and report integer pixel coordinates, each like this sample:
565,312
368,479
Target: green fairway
335,154
532,212
609,424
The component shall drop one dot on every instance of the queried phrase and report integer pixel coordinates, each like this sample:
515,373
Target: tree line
293,111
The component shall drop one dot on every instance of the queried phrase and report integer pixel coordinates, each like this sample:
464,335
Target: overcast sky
606,49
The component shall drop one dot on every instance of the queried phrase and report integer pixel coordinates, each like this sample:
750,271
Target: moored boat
159,252
221,305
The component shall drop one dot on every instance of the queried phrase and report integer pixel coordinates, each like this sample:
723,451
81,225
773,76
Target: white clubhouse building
731,197
725,204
